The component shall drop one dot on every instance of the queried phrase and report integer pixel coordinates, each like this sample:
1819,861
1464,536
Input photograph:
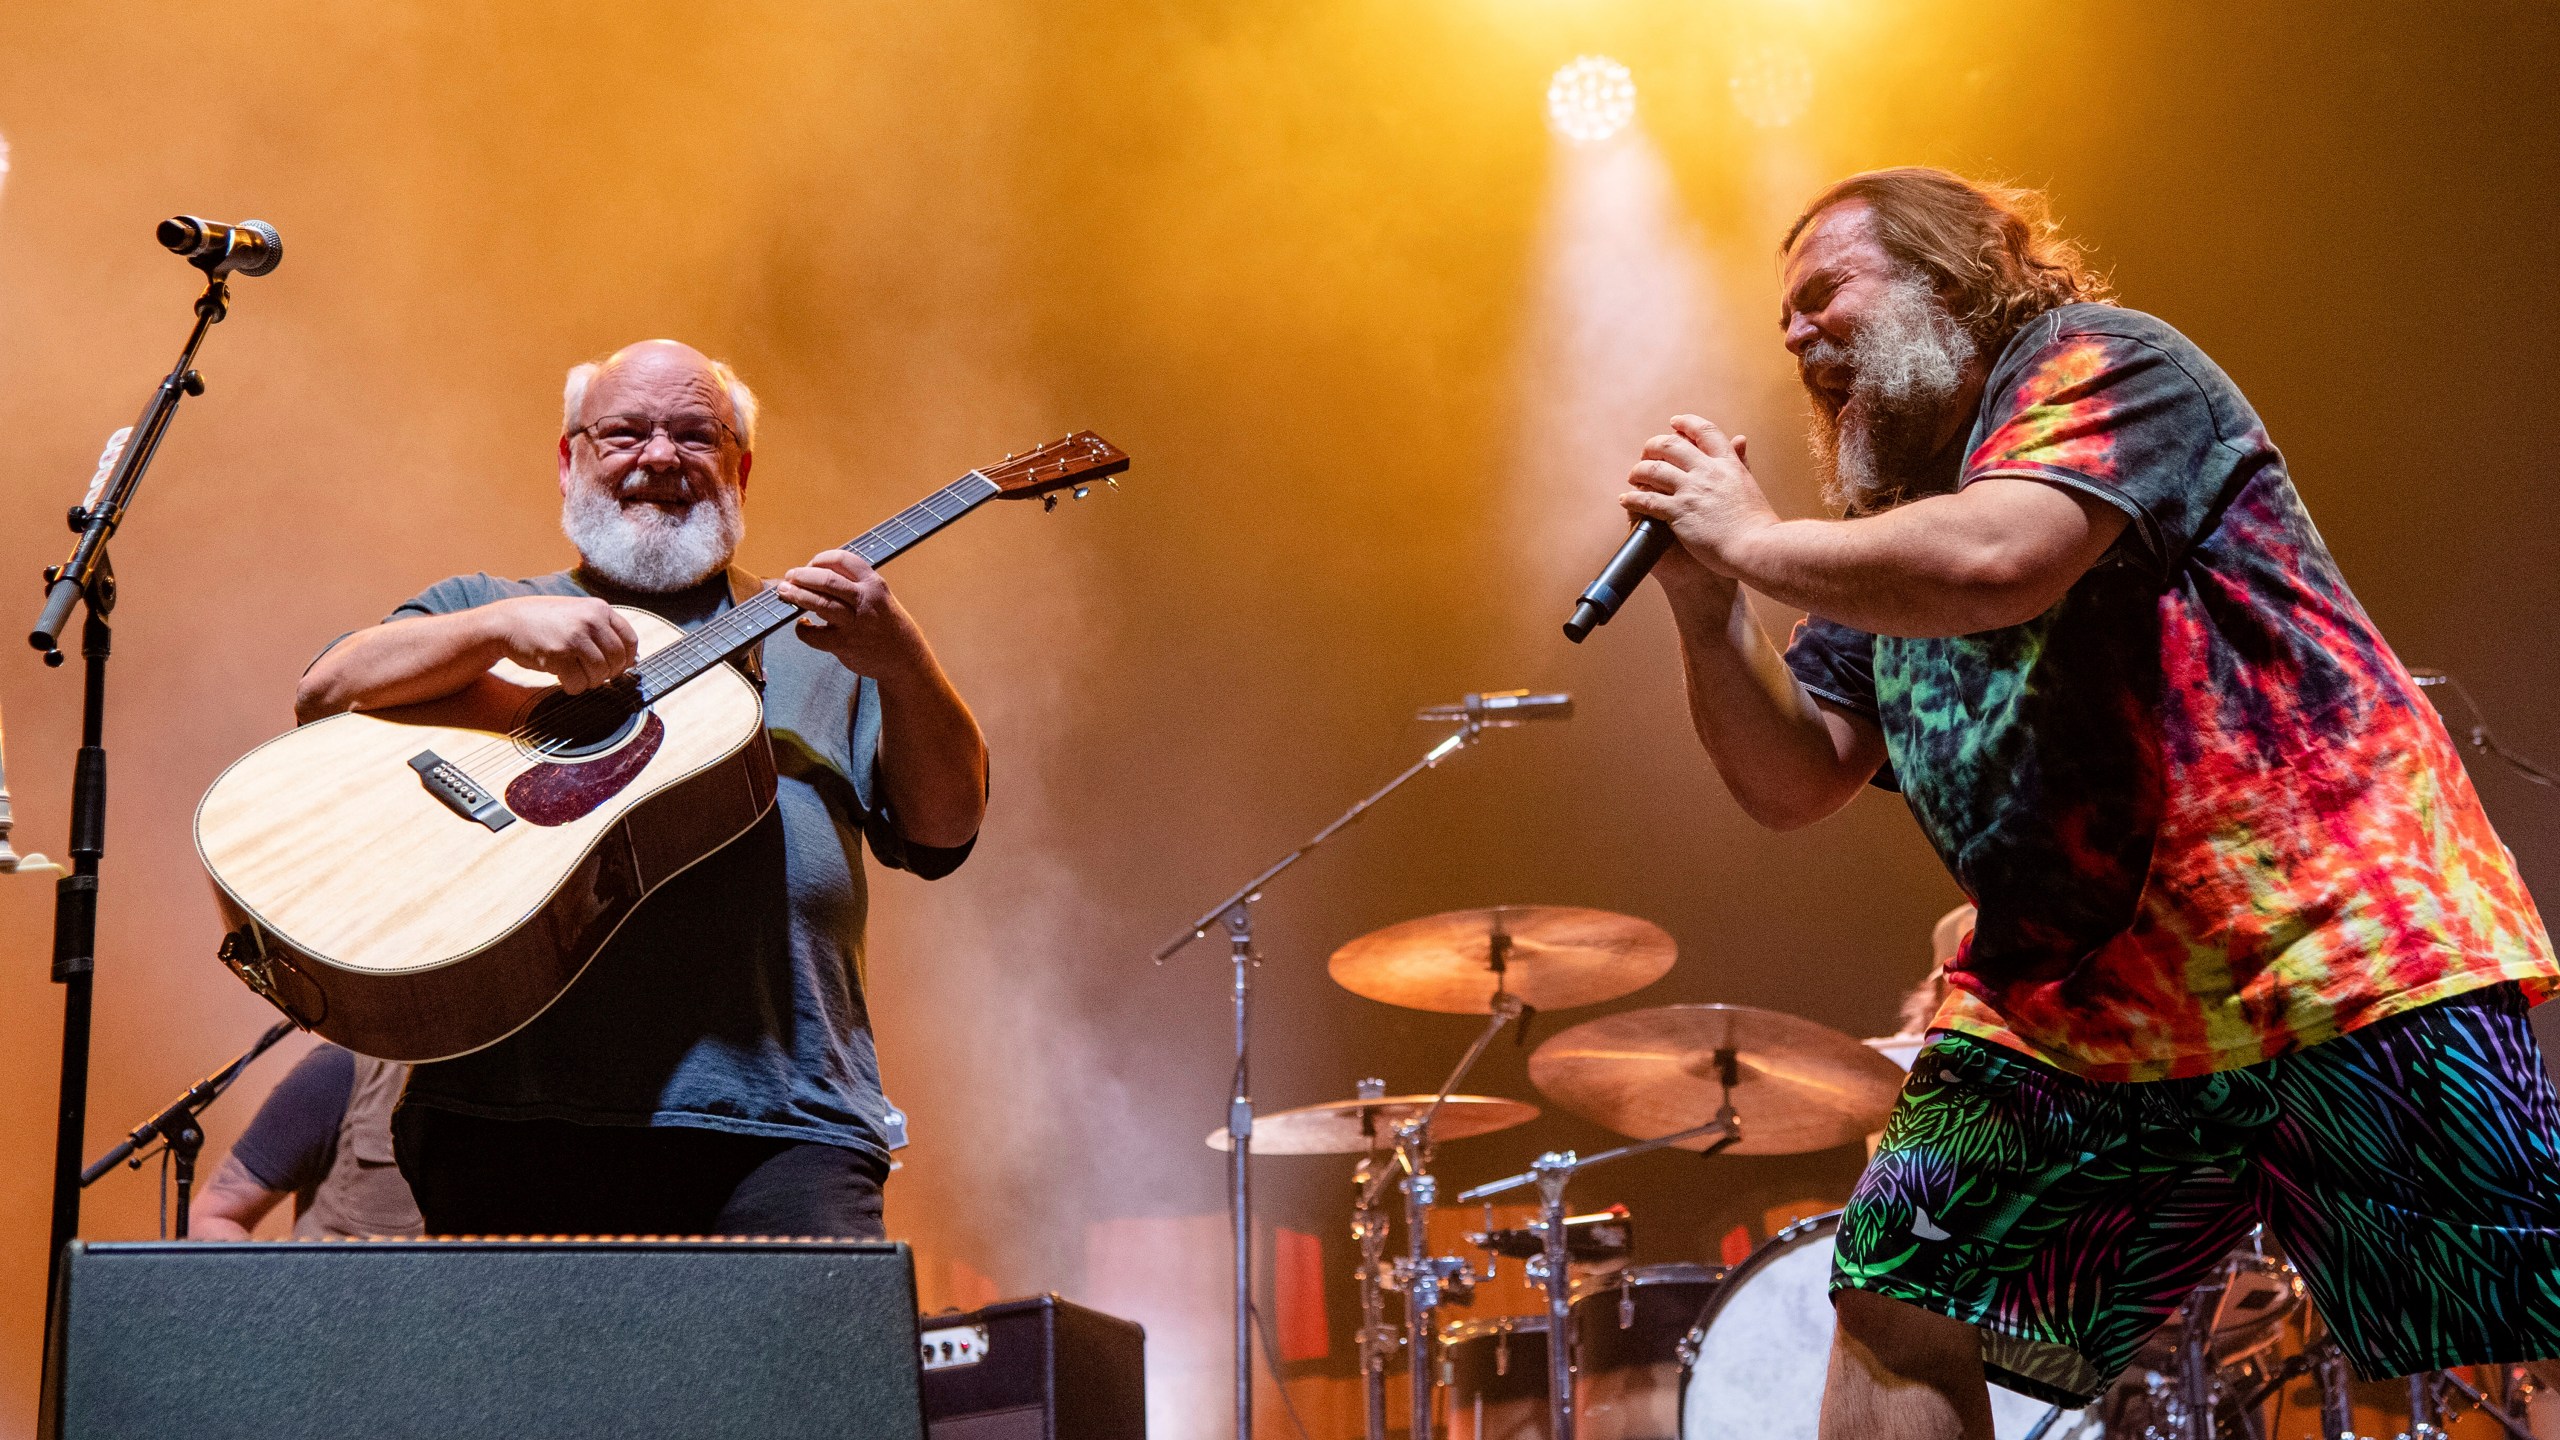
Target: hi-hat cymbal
1798,1086
1349,1127
1554,957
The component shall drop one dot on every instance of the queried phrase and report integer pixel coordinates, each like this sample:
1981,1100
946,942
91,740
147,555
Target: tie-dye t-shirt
2207,816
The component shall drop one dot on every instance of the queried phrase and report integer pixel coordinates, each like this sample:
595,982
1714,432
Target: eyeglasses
696,434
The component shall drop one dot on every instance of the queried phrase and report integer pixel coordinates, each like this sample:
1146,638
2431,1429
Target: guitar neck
744,624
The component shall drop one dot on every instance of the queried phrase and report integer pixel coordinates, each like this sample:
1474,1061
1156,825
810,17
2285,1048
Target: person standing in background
323,1138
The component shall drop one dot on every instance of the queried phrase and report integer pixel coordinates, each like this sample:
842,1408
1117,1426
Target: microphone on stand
249,248
1501,709
1619,578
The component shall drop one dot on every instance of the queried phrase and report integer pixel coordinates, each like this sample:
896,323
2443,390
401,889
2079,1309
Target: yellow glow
1590,99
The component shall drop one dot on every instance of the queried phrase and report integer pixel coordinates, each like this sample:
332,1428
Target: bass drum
1495,1372
1757,1359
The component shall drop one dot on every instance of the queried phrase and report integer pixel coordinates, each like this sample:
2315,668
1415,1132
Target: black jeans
474,1176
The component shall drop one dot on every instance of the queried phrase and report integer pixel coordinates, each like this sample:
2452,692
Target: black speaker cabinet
1036,1369
467,1338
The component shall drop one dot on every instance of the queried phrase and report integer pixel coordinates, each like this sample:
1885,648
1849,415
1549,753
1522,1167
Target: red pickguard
558,794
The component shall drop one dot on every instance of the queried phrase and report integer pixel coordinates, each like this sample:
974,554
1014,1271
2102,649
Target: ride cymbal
1798,1085
1349,1127
1553,957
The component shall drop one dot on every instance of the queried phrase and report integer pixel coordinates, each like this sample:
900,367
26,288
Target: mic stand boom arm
87,577
180,1125
1235,915
67,582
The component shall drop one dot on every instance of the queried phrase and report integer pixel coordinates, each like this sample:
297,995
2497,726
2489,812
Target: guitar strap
744,587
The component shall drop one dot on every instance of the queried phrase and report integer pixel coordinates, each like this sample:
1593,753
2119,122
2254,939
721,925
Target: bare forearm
400,663
933,758
1770,742
1887,574
231,1204
1999,553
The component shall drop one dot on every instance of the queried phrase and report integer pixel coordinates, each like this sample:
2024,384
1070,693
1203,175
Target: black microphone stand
1235,915
180,1126
87,578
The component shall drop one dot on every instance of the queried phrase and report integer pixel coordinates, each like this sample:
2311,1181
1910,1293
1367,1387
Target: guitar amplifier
780,1339
1038,1369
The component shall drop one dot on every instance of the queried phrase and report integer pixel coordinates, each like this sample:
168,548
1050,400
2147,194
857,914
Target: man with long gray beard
712,1072
2247,951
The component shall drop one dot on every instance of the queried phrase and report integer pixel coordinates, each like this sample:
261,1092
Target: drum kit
1688,1351
1706,1078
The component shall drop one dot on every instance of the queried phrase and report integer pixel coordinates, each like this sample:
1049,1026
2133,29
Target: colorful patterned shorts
2410,1170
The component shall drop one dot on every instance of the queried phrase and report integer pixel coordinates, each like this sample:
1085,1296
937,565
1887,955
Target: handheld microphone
251,247
1626,570
1502,709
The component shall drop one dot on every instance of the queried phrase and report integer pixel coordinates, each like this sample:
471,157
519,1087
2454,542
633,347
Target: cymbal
1555,957
1336,1129
1801,1086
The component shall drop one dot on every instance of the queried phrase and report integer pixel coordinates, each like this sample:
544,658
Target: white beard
1906,369
643,548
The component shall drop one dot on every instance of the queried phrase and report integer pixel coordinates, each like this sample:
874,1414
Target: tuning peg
1113,482
1083,490
1048,502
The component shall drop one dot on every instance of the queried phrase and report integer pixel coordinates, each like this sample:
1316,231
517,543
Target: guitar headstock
1071,463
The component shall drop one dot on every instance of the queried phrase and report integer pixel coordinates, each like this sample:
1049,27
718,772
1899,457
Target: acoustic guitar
416,883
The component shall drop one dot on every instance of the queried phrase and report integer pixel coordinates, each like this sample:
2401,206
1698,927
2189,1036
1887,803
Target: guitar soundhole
562,726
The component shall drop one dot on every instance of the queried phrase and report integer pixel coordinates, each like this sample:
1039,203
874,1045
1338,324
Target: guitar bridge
460,793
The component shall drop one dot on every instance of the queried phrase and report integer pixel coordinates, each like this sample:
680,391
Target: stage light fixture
1772,85
1591,98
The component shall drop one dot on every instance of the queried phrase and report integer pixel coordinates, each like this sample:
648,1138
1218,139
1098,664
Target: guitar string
558,729
692,653
691,649
697,650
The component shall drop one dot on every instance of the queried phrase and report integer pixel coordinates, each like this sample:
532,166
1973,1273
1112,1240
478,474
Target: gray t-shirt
732,999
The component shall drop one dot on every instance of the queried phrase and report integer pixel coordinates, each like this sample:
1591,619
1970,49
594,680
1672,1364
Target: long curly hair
1995,250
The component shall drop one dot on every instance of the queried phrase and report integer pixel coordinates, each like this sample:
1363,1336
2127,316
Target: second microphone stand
180,1126
1476,715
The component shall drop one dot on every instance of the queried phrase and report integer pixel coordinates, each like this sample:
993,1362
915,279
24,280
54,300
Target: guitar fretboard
743,625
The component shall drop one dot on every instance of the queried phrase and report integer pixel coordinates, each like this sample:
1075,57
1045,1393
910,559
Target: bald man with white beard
713,1071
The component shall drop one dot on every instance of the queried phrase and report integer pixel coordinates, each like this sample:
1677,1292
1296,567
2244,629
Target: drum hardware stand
1551,1173
2423,1412
87,579
1379,1341
2195,1361
179,1126
1420,1275
2327,1364
1235,915
2329,1370
2511,1414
